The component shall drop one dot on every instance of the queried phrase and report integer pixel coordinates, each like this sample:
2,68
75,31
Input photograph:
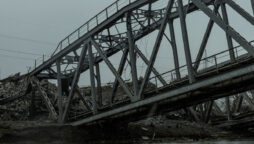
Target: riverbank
146,131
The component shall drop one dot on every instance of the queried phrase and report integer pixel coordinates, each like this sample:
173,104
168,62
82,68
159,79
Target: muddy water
210,142
140,142
39,133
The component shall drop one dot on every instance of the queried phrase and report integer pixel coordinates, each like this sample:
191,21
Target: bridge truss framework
94,43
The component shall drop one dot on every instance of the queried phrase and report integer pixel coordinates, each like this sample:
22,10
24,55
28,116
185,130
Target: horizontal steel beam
252,4
191,8
76,44
173,93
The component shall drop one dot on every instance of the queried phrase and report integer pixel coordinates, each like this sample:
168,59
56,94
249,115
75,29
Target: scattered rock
163,127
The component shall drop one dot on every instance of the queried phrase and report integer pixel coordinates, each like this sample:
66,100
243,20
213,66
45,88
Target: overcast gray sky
36,27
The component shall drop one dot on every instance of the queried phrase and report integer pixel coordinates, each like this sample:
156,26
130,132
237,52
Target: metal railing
213,61
85,28
92,23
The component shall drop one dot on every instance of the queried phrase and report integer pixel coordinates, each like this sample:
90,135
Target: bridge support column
208,111
98,79
132,56
59,91
239,103
229,38
228,108
174,48
194,114
252,4
92,78
186,42
149,11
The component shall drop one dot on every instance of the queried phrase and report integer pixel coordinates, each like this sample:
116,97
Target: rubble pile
161,126
25,102
18,109
51,91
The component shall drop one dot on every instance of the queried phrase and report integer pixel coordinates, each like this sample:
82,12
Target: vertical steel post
92,76
149,12
239,103
186,42
229,39
59,91
117,8
109,35
201,108
132,55
174,48
194,114
228,108
252,4
98,78
208,111
252,93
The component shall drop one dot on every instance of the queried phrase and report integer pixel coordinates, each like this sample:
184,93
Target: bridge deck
214,82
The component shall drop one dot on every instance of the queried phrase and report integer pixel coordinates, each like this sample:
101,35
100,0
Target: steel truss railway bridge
95,42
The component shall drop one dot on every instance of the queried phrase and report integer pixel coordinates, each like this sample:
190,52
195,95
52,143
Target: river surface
183,142
209,142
